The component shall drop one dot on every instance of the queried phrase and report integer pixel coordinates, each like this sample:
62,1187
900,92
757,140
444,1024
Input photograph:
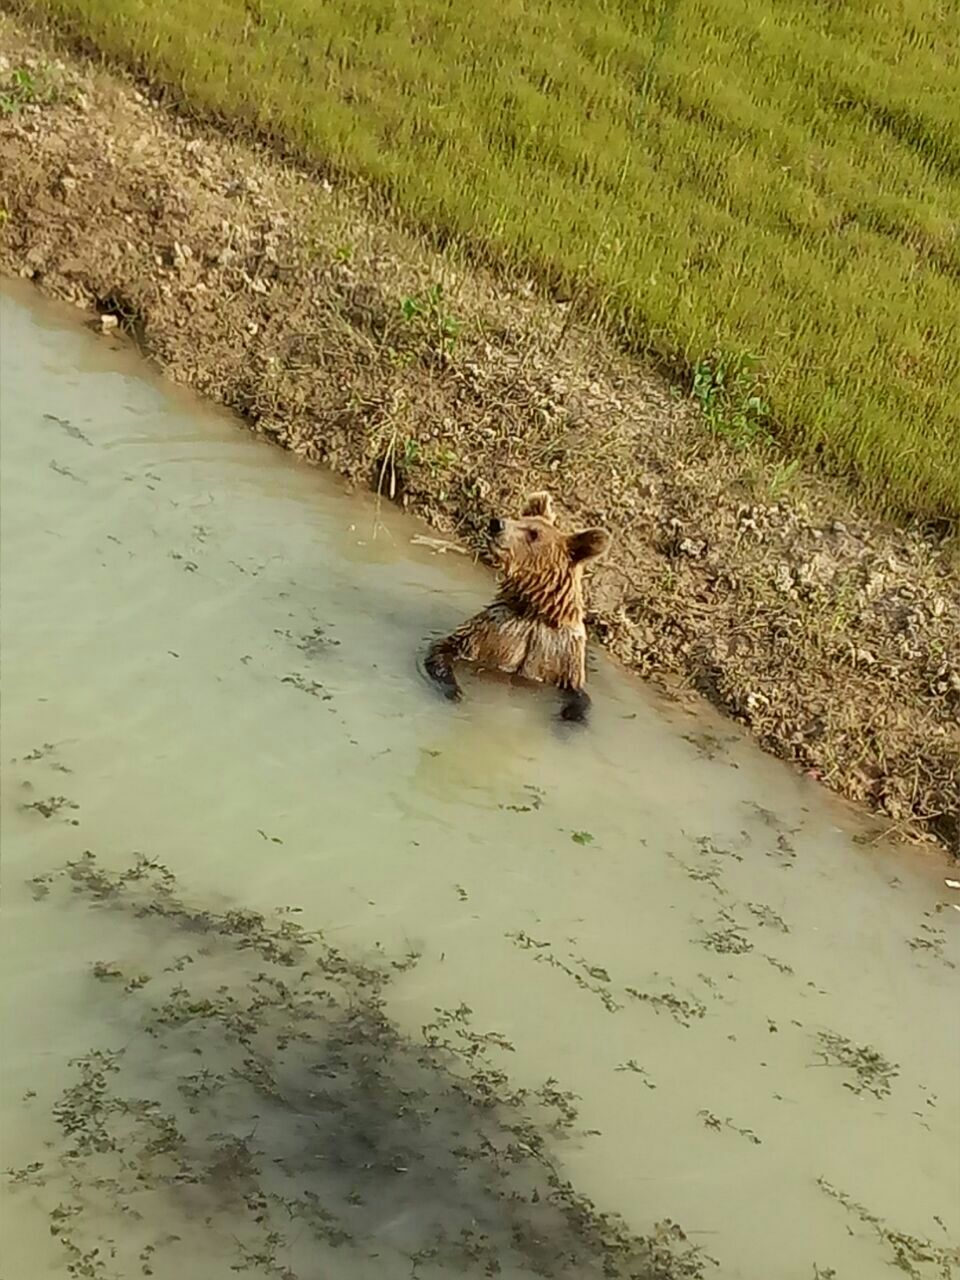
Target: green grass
784,199
25,87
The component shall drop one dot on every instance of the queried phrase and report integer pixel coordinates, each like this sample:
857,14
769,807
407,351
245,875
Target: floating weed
265,1114
707,745
712,1122
785,851
52,806
684,1010
106,971
767,917
920,1259
29,1175
38,753
408,961
597,980
633,1066
582,837
201,1084
707,872
932,940
525,941
85,1108
188,566
729,941
561,1102
452,1032
313,687
766,816
532,800
708,848
316,643
586,980
871,1071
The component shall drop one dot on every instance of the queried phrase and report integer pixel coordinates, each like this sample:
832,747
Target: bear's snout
496,527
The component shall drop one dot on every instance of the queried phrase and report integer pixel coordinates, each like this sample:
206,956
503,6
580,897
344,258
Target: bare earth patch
834,638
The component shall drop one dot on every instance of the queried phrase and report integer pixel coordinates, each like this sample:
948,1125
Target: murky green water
209,661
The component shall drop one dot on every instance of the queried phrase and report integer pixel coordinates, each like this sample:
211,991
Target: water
209,659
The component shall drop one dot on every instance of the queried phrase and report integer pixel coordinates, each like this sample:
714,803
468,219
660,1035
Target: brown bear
534,628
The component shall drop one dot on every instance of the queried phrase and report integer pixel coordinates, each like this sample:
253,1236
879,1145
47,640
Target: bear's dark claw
576,707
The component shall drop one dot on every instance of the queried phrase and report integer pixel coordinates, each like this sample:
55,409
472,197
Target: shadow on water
260,1094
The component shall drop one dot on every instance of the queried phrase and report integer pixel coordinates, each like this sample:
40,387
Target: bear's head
542,567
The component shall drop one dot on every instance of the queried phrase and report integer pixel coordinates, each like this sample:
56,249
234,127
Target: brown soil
834,638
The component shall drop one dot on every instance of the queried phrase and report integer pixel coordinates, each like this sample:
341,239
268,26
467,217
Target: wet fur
535,627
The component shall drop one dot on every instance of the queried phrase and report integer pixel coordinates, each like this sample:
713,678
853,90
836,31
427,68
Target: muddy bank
836,640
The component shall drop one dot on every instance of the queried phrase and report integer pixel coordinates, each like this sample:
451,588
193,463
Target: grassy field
765,193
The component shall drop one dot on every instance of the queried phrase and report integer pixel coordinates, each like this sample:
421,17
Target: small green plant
21,90
729,394
434,459
442,459
410,452
782,477
429,311
25,87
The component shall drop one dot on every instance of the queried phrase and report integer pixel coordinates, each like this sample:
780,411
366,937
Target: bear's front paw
576,707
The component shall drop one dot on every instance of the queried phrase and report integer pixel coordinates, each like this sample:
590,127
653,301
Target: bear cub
534,628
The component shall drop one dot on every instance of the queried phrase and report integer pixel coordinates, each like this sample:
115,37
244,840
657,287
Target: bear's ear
587,544
540,504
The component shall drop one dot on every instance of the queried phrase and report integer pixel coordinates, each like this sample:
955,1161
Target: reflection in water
567,990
